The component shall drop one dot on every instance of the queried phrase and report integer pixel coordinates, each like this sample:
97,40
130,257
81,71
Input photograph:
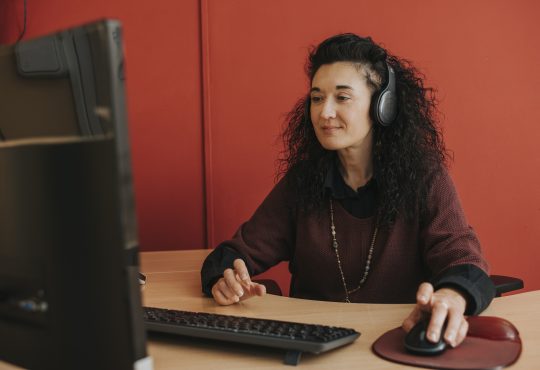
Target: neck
356,164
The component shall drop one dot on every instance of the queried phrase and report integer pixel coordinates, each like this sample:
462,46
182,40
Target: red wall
480,55
164,104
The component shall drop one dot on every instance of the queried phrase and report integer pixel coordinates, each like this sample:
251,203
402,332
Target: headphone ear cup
384,105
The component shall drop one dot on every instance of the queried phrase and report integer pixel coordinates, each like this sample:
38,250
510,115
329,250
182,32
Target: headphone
384,107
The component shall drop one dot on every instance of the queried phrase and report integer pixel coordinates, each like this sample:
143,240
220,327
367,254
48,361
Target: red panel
164,106
11,21
480,55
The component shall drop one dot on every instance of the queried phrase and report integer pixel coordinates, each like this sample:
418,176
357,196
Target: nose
328,109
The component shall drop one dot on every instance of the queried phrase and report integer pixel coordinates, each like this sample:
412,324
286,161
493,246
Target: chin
331,142
330,145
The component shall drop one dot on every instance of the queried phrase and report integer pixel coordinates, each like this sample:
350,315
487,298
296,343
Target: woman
365,211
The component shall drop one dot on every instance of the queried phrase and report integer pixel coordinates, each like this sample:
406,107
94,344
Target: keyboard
291,336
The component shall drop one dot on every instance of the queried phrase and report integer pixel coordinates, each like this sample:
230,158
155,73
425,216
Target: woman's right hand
236,285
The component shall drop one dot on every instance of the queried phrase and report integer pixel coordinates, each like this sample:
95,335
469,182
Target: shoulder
439,181
283,192
442,198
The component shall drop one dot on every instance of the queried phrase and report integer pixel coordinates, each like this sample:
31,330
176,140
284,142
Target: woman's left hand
446,304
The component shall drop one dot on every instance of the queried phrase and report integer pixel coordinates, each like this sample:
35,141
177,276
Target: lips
330,129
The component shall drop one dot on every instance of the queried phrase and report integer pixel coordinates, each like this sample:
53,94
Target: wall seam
208,195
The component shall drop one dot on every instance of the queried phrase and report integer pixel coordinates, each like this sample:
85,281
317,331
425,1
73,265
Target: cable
24,24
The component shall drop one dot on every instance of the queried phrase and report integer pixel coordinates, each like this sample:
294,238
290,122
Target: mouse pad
491,343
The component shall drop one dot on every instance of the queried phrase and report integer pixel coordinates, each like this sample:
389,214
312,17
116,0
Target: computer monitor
69,293
70,83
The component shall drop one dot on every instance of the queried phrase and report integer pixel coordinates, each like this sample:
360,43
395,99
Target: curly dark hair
404,153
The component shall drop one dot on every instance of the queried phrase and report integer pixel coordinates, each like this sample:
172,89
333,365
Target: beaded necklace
335,247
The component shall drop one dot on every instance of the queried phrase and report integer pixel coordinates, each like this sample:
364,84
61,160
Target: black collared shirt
361,203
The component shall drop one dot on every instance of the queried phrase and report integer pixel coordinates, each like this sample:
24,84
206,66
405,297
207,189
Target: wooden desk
174,282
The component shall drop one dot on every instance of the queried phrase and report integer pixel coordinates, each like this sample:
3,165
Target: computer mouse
417,343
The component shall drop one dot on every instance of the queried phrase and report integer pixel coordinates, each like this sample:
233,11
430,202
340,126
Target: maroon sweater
405,254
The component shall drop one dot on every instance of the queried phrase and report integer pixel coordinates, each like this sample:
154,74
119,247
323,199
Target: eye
343,98
316,99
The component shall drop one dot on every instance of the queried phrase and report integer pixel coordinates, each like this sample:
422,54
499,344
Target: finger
424,295
462,332
453,324
259,289
439,312
253,289
412,319
232,283
241,269
219,297
224,288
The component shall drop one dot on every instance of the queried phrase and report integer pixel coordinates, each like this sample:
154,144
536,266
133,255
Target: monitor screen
69,294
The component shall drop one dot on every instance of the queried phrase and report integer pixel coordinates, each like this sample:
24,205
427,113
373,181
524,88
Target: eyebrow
338,87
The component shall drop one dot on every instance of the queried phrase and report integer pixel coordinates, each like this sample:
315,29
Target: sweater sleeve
266,239
452,251
472,282
215,264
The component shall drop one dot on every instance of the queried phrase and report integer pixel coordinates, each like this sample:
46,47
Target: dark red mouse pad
491,343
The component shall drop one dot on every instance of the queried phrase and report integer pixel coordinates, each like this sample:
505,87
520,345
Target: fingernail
240,292
236,299
433,336
423,298
245,277
450,337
